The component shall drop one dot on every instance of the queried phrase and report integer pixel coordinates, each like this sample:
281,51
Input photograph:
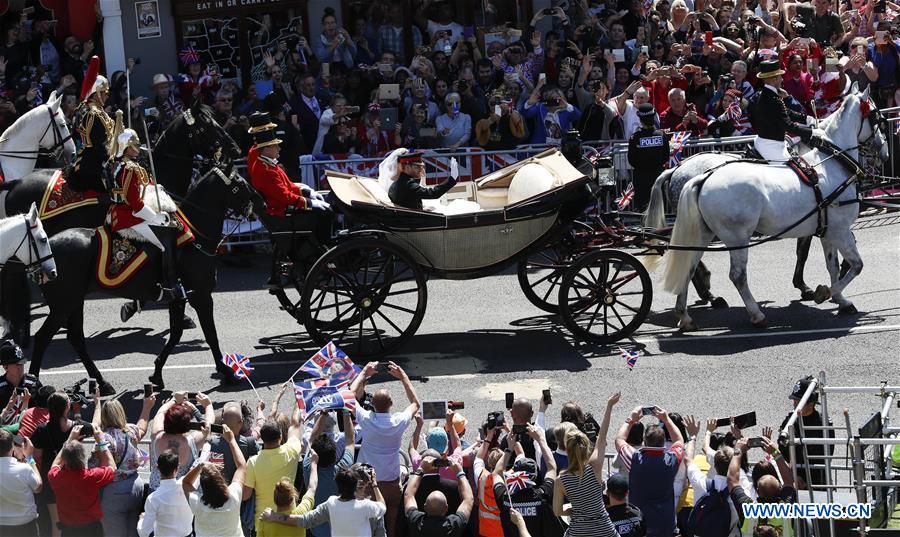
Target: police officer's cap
10,353
800,388
646,110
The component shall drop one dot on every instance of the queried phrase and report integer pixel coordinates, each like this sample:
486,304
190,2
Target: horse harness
58,141
33,267
822,203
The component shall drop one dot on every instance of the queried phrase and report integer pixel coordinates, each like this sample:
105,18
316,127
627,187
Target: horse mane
10,220
19,124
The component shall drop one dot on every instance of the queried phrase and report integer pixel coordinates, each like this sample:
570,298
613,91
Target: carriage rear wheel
605,296
541,272
366,295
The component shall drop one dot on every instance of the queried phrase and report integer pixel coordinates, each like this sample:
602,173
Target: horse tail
655,217
688,231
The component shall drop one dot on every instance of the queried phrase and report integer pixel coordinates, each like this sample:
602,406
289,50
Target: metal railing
884,486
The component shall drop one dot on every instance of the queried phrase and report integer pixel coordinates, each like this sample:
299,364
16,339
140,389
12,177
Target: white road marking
664,338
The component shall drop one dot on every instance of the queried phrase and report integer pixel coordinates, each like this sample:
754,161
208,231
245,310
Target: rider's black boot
171,285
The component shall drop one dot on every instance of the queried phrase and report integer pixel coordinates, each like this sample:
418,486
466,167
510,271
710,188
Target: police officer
13,362
812,421
648,152
771,119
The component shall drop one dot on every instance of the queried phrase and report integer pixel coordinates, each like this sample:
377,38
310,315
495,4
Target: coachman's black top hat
263,130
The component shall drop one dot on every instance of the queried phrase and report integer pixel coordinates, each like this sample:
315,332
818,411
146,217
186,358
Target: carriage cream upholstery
499,189
507,187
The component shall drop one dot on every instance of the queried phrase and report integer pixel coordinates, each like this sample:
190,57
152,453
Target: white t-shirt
351,519
325,123
17,486
456,31
222,522
384,436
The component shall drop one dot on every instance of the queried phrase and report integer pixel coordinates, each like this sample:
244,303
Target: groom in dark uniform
407,191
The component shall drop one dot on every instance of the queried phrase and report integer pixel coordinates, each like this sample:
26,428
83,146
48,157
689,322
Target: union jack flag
325,398
627,196
331,362
239,364
733,111
897,128
189,56
325,382
516,481
630,357
676,144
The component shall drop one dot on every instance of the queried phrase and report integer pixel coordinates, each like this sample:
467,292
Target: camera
494,420
87,430
74,393
441,463
462,86
590,427
552,102
352,109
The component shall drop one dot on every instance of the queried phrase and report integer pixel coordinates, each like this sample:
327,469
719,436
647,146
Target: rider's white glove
152,217
819,133
454,168
319,205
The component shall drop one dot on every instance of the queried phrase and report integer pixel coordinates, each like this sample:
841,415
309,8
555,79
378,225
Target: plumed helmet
93,81
128,138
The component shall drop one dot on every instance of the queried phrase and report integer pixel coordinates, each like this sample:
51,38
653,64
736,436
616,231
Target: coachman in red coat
284,198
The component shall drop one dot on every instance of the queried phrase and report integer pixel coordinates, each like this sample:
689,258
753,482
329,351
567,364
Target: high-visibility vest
488,512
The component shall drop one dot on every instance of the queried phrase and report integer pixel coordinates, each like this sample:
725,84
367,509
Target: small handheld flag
241,366
626,198
324,398
676,144
330,362
516,481
630,357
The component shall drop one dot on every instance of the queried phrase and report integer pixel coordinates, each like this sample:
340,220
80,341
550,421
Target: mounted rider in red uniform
129,211
287,203
97,132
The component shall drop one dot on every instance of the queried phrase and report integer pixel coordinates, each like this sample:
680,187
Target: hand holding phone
509,400
548,399
648,411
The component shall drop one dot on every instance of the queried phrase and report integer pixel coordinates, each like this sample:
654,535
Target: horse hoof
822,294
187,323
719,303
227,376
106,389
762,323
157,380
807,294
849,309
687,327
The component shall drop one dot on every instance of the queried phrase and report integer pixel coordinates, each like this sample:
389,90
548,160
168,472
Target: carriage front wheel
366,295
604,296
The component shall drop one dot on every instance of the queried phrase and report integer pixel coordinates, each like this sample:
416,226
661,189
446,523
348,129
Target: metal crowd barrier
873,479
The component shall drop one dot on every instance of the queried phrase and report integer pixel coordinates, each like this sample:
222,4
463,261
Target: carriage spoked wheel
540,273
605,296
366,295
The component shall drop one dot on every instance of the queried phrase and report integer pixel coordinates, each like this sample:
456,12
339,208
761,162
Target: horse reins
836,152
34,265
58,141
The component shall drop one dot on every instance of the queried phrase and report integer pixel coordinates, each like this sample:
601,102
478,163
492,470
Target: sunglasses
659,46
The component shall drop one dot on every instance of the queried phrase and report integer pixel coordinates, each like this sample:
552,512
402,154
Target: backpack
711,516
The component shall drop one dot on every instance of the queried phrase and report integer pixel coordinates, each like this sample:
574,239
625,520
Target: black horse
193,133
76,251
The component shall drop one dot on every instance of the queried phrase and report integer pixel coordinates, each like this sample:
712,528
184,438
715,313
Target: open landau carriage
367,291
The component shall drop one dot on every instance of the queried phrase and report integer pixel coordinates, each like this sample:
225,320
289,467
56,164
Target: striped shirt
589,517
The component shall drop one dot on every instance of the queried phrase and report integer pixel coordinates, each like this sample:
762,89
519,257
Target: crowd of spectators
585,64
187,468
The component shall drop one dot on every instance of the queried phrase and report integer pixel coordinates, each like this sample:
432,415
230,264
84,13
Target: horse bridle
190,121
58,141
33,266
231,181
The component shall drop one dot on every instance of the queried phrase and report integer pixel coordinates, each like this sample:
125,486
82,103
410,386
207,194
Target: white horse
42,127
740,198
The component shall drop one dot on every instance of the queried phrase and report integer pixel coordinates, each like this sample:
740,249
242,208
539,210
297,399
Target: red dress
131,183
272,182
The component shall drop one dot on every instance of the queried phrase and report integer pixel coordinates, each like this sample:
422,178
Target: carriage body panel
475,244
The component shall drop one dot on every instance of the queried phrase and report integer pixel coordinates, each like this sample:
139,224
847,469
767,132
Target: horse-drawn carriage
365,287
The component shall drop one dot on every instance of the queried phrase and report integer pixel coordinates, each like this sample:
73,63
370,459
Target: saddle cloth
804,170
59,198
121,255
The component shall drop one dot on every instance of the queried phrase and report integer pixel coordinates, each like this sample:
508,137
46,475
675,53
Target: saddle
808,176
60,197
121,255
